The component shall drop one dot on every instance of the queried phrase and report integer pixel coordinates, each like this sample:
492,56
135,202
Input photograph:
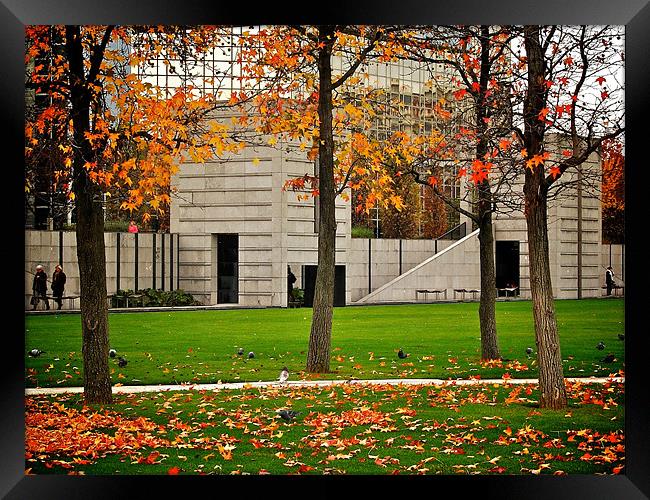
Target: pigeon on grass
610,358
621,336
284,375
251,355
600,346
35,353
287,415
401,355
529,350
240,352
112,353
121,362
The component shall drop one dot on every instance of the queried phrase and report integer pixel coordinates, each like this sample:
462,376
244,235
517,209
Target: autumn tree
116,132
613,191
402,224
571,85
475,135
326,112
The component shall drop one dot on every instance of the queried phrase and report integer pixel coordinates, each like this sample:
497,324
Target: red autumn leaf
459,94
498,469
173,471
555,171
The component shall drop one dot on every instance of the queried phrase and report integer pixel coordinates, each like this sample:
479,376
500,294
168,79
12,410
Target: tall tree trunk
486,312
487,308
549,358
90,236
320,338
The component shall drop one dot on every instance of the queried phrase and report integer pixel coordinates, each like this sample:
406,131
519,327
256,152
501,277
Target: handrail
456,228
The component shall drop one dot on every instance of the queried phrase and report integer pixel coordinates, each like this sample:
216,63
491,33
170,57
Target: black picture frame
634,14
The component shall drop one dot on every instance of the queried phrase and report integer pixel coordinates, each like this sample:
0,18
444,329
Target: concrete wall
564,211
44,247
457,266
612,255
374,262
246,197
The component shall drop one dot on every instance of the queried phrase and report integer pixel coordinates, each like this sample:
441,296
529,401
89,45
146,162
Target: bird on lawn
529,350
284,375
251,355
240,351
608,359
287,415
621,336
600,346
35,353
112,353
401,355
121,362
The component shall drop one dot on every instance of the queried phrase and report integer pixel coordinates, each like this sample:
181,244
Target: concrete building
238,231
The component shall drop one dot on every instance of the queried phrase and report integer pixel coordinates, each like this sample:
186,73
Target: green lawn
441,339
344,429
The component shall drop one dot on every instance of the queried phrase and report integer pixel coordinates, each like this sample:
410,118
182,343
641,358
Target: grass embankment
442,340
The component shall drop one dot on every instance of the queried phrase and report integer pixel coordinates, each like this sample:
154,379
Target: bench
123,300
70,298
616,288
508,290
427,292
463,291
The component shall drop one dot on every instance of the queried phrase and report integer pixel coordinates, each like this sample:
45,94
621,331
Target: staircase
457,266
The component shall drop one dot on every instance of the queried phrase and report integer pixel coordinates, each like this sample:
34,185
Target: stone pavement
129,389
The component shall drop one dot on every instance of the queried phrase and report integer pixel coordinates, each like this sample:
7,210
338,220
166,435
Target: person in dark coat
609,280
58,284
291,280
39,288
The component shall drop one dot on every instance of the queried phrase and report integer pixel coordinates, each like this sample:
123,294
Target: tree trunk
320,338
549,358
487,307
486,312
90,236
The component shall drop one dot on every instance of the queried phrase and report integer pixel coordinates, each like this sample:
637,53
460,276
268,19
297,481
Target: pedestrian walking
291,278
58,284
39,288
609,280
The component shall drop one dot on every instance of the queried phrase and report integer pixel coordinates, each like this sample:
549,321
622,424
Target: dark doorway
227,268
309,283
507,264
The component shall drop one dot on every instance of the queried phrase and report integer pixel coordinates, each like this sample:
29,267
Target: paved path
129,389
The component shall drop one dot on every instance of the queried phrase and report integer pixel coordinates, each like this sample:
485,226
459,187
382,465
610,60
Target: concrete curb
131,389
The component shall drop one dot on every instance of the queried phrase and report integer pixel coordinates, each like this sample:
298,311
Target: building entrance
227,268
507,267
309,283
